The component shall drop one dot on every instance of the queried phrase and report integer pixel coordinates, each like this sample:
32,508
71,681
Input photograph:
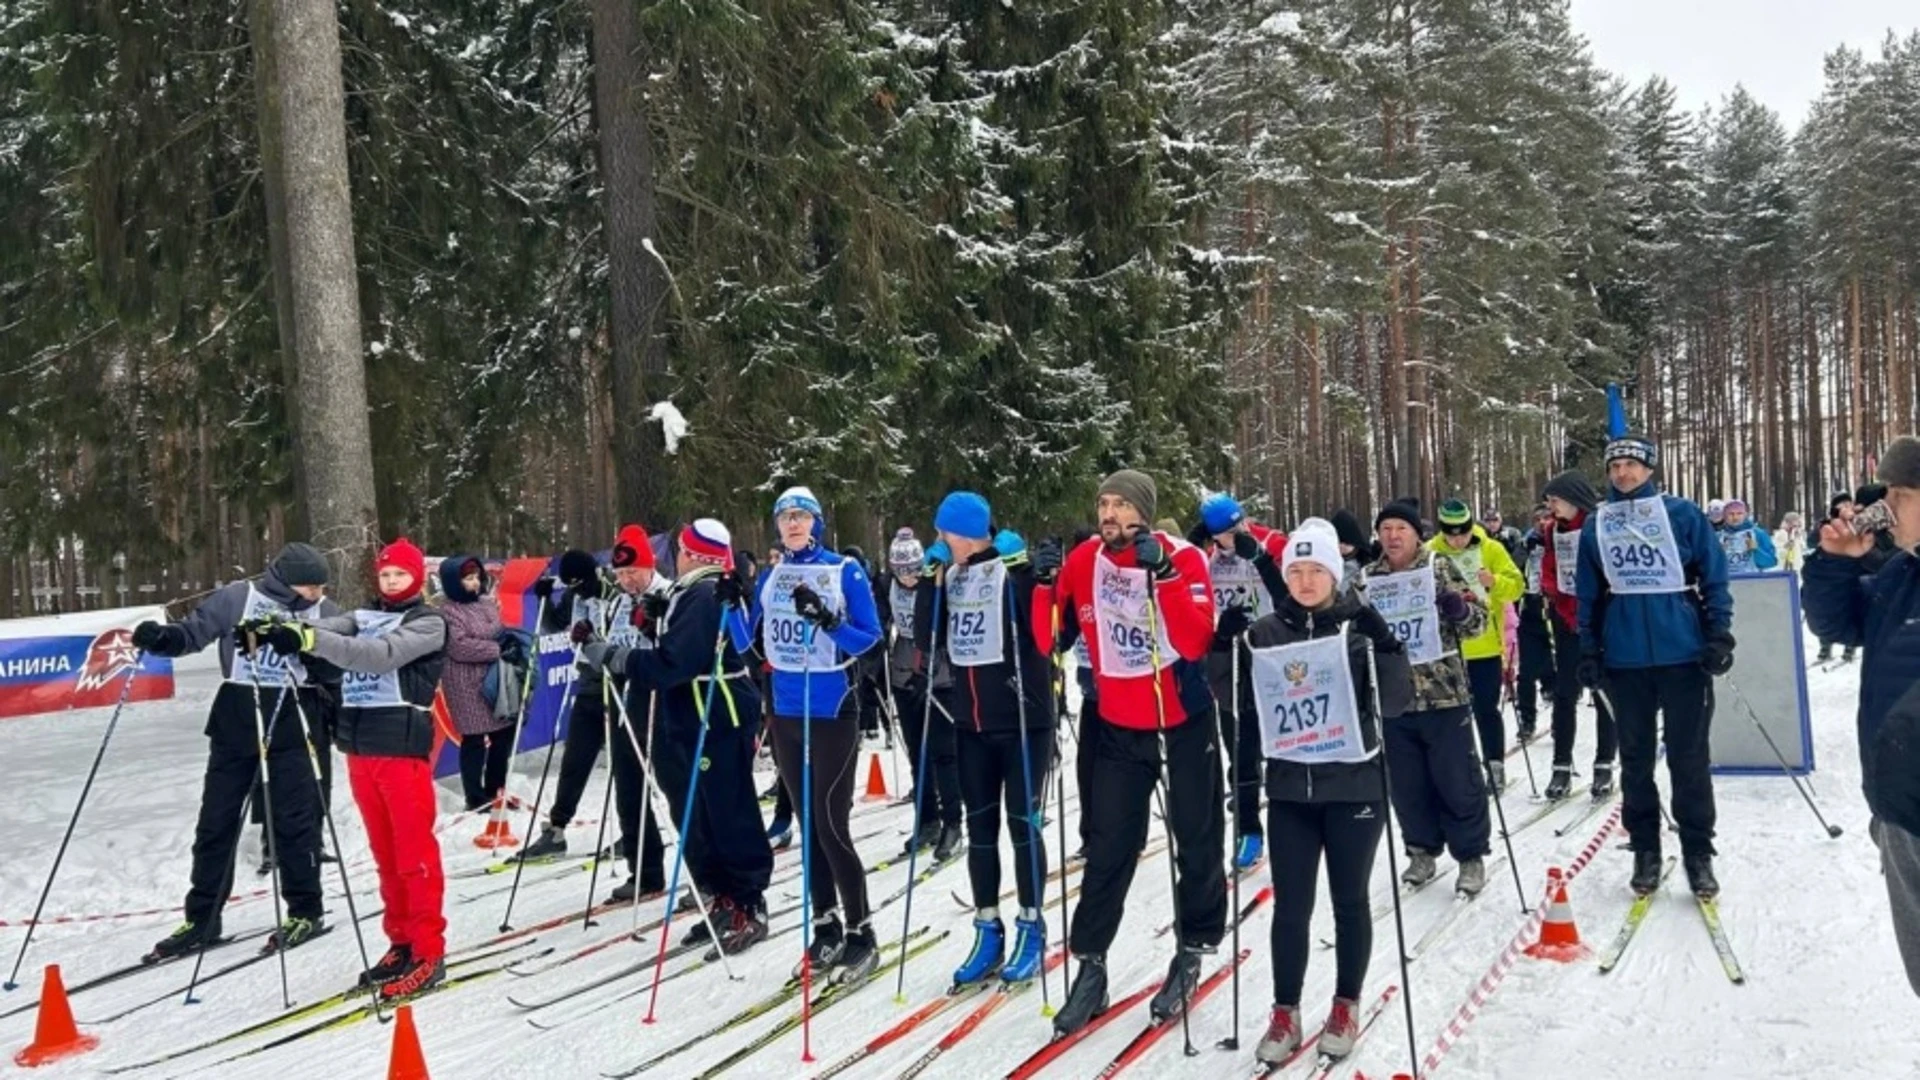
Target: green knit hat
1455,516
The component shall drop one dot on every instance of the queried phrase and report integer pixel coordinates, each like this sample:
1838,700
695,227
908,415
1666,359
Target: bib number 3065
1128,636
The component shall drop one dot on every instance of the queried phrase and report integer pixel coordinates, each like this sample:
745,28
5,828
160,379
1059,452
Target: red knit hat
709,540
403,555
631,548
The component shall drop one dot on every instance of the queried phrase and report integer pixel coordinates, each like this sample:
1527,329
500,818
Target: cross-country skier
591,607
1143,601
1536,675
1489,572
814,615
1655,629
1571,499
1003,724
1243,558
726,851
390,657
1749,550
1439,791
259,692
1326,794
906,587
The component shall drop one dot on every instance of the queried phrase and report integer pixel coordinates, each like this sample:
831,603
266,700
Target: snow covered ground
1825,995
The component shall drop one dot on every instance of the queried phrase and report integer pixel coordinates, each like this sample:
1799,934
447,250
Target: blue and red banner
78,661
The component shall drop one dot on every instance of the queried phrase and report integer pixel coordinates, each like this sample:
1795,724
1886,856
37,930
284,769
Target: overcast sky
1705,47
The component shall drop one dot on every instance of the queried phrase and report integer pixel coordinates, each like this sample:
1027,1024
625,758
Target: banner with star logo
78,661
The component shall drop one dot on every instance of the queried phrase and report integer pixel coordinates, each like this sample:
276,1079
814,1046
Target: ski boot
1826,653
633,889
1246,854
295,932
1420,869
858,958
551,843
1527,731
740,926
780,835
397,960
1342,1030
1471,878
1497,777
1602,782
1088,996
950,840
1700,876
989,950
1646,872
1282,1039
927,837
187,938
1029,949
266,866
1561,785
829,939
1183,974
419,976
1846,655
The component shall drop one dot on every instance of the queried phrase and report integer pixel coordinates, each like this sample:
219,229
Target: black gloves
1152,555
730,590
1231,622
1048,557
1588,670
1374,625
160,639
543,587
1453,606
653,606
289,638
581,633
1716,656
1247,546
808,605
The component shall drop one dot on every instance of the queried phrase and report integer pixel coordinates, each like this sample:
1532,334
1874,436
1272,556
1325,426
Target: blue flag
1616,412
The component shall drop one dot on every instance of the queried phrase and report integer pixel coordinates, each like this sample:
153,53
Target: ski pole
1232,1042
895,733
648,785
1393,862
564,712
1499,811
1060,794
346,884
606,801
519,725
1166,794
86,788
265,732
1033,810
1833,831
919,795
806,844
1526,755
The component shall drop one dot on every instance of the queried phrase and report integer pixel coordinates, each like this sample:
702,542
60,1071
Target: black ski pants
839,878
1483,679
1682,695
483,766
1566,703
228,787
1115,813
996,769
1298,834
1086,750
727,852
1439,793
1537,661
1241,738
640,846
936,783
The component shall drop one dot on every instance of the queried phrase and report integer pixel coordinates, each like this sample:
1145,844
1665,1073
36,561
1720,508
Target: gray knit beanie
1900,464
1135,487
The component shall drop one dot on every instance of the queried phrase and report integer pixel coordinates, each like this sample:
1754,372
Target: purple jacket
473,631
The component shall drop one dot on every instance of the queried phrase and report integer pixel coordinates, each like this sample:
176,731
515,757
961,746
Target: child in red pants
390,659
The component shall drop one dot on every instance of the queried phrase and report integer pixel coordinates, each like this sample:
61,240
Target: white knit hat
905,554
1315,541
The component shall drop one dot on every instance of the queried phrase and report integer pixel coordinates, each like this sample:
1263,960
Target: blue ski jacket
859,630
1658,629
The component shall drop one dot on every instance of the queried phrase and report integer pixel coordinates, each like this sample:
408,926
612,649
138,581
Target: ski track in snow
1825,997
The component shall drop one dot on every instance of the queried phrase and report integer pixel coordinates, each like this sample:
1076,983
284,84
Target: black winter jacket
985,698
416,650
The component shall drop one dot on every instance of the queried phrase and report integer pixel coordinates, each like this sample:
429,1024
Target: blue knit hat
798,498
966,514
1221,513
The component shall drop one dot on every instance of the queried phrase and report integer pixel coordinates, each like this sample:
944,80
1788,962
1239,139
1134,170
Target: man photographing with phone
1857,594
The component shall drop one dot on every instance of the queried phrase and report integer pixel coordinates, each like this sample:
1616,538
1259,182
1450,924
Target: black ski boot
1183,974
391,966
1088,996
550,844
927,837
1700,876
1602,782
742,927
1646,872
859,958
1826,653
1527,730
295,932
829,937
187,938
950,840
1561,783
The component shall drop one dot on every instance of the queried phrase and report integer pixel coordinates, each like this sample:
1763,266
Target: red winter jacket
1565,605
1185,601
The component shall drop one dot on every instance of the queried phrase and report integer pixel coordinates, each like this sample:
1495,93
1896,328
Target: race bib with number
1566,559
903,601
1638,550
1304,692
1406,600
1536,561
1738,546
1127,634
786,634
266,667
1236,583
363,690
977,614
1470,562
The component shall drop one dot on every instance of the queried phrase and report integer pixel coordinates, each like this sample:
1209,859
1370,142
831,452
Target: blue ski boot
989,948
1246,854
1029,948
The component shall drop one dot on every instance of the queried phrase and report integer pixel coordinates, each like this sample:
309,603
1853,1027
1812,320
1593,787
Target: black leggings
1566,702
483,765
839,878
1297,834
1483,677
938,786
991,771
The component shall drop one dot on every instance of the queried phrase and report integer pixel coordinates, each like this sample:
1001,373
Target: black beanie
1574,487
1347,528
1399,510
578,568
301,564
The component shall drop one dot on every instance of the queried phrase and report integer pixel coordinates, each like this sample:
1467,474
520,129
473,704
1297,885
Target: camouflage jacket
1443,683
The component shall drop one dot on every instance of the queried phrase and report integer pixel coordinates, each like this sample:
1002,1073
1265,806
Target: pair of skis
1709,914
1325,1064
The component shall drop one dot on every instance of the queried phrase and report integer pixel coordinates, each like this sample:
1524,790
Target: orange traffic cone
55,1035
1559,937
498,833
406,1061
876,780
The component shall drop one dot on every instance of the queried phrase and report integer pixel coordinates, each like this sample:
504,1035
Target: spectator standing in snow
473,647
